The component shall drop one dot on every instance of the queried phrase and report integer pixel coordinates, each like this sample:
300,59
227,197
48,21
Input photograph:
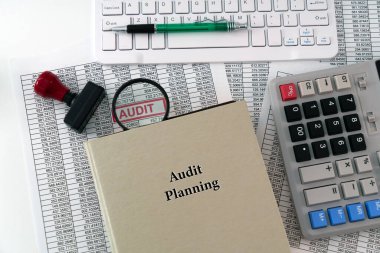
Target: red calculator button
288,91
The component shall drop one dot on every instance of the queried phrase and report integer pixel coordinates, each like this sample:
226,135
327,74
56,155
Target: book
195,183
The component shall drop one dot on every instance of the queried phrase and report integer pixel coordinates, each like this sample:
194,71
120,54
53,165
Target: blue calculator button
355,212
318,219
373,208
336,215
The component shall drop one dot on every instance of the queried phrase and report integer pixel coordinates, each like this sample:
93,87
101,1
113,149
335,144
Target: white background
27,28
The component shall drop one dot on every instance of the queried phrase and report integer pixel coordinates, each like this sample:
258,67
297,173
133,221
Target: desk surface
28,28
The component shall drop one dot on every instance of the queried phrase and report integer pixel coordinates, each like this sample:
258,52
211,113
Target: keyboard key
297,133
141,39
290,19
314,18
181,6
273,20
316,5
342,82
338,146
336,215
302,153
368,186
318,219
352,122
132,7
274,37
347,103
288,91
257,20
198,6
264,5
215,6
306,88
344,167
350,190
280,5
109,41
355,212
297,5
306,32
293,113
316,172
307,41
165,7
329,106
125,41
357,142
323,40
315,129
290,41
148,7
310,109
320,149
258,38
231,6
157,39
363,164
320,195
112,8
324,85
247,5
333,126
373,208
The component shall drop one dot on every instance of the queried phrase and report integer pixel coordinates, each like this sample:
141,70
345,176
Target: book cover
196,183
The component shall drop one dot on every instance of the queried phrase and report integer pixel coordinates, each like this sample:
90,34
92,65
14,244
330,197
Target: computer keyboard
329,131
278,30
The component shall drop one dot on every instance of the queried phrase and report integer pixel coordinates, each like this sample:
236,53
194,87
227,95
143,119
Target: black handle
146,28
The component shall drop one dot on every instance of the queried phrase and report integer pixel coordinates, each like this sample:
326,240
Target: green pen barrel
193,27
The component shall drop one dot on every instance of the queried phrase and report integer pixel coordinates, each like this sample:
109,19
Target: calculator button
357,142
306,88
350,190
347,103
316,172
344,167
322,195
336,215
338,146
320,149
363,164
352,122
355,212
324,85
318,219
302,152
373,208
368,186
329,106
288,91
333,126
297,133
342,82
315,129
293,112
310,109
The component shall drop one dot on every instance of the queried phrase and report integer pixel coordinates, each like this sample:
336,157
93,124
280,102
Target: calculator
328,125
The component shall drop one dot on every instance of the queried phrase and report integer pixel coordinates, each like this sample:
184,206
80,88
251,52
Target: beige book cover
195,183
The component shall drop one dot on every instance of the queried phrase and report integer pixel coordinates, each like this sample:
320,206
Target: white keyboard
278,30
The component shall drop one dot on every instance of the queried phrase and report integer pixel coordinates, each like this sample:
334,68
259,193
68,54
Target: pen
181,27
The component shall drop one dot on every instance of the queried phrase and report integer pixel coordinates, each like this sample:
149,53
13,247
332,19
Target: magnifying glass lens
140,102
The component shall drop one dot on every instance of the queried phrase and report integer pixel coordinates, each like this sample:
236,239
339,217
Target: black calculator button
347,103
338,146
352,122
293,113
302,153
329,106
315,129
357,142
333,126
320,149
297,133
310,109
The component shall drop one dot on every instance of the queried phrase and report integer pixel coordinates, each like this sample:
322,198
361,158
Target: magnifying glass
140,102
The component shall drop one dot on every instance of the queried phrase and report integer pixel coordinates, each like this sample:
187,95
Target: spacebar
208,40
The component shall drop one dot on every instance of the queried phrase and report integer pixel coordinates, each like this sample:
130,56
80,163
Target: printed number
300,131
295,109
322,145
354,119
359,139
336,122
340,143
344,79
